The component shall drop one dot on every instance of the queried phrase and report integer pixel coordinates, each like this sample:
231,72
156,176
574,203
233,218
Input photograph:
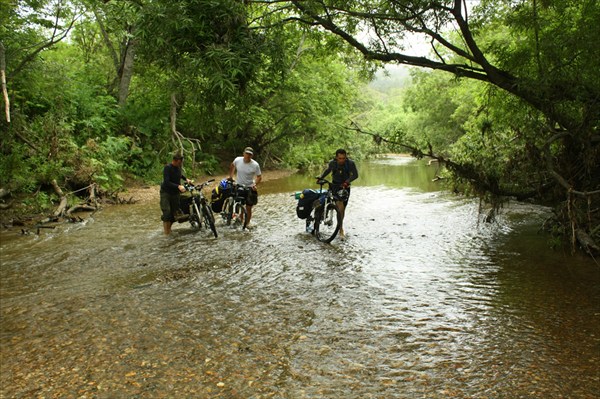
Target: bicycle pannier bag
184,204
305,202
218,195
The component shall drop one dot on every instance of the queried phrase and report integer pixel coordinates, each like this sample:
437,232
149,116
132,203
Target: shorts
169,204
337,187
252,198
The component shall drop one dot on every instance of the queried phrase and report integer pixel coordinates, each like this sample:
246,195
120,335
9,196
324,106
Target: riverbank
151,193
21,214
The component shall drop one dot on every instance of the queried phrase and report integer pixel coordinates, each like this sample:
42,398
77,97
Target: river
422,300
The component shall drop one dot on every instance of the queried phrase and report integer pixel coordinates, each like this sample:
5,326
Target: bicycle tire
241,215
195,221
228,209
209,219
327,222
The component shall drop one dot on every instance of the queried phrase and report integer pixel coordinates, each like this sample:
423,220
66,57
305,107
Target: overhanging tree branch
457,69
55,38
465,171
541,99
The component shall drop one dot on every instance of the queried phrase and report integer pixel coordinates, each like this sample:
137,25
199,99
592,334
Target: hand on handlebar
345,185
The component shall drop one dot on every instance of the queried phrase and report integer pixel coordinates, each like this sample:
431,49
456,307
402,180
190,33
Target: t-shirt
341,173
246,171
171,179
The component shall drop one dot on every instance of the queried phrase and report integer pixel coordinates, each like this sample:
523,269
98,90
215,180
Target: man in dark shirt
343,172
170,190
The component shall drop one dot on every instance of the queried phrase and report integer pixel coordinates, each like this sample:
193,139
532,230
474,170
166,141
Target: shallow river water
422,300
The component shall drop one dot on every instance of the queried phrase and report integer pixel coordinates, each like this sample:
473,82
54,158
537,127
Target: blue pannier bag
305,203
219,194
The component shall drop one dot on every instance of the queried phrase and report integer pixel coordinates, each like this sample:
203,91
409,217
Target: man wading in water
247,170
170,190
343,172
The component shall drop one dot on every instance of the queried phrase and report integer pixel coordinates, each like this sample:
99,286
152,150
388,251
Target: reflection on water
421,300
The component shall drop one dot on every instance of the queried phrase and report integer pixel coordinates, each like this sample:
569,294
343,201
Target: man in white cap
248,174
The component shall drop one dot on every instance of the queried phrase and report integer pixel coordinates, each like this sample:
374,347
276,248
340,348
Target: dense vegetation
507,97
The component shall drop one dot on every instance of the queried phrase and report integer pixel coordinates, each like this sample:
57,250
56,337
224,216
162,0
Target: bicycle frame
326,213
200,212
234,207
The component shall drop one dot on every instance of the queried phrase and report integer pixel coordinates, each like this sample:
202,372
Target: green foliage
39,202
438,107
102,162
226,74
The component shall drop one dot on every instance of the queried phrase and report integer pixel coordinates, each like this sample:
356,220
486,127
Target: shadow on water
421,300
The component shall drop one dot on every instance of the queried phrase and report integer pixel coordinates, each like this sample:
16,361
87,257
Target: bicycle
325,213
199,212
234,208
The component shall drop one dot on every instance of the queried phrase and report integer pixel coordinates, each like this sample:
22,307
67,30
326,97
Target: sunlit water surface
423,300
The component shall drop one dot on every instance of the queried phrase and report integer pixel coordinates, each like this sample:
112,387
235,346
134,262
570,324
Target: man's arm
326,171
353,172
231,170
189,181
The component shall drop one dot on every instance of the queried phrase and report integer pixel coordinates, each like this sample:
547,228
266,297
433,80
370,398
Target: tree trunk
175,135
126,71
3,78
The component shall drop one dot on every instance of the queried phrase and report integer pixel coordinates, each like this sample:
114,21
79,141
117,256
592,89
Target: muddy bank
149,193
21,215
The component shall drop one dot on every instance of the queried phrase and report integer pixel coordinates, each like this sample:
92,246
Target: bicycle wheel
327,222
195,217
209,219
228,210
240,216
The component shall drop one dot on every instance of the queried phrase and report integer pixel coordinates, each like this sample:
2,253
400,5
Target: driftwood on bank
66,210
586,242
90,204
80,208
60,211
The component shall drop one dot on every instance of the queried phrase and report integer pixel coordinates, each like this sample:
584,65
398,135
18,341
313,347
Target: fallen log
60,211
49,220
587,243
81,207
93,198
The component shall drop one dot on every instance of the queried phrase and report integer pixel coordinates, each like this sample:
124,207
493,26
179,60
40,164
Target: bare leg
249,212
167,227
342,209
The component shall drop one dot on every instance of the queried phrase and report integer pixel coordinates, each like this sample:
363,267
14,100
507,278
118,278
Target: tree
543,53
27,29
238,76
116,22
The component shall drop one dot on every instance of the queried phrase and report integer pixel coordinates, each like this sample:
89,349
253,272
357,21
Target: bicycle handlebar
340,194
322,181
190,186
